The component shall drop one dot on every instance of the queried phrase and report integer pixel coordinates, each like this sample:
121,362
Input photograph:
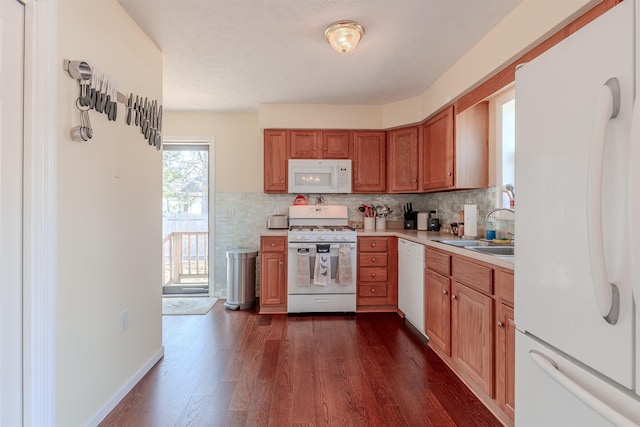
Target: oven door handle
313,245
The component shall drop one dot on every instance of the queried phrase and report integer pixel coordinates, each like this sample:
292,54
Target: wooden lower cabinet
505,342
438,310
472,335
505,358
469,323
377,283
273,274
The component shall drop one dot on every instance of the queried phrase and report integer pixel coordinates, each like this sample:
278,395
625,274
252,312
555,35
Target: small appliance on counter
433,223
422,221
276,222
428,222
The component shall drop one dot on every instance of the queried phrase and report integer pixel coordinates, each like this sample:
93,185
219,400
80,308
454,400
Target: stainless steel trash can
241,279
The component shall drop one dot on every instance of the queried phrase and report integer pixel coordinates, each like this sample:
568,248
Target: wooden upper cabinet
455,150
335,144
275,161
472,147
369,162
438,152
402,160
304,144
319,144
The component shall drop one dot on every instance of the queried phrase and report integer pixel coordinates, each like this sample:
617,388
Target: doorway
186,201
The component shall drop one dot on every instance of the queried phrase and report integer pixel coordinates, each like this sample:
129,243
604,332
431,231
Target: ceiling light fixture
343,36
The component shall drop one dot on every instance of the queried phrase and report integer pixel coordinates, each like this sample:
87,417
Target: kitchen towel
344,276
322,271
471,220
303,273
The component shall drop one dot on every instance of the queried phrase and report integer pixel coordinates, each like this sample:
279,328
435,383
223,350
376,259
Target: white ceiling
231,55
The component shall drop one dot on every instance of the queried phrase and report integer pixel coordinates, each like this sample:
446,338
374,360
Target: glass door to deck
185,219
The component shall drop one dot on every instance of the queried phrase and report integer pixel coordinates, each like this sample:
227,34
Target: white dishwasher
411,282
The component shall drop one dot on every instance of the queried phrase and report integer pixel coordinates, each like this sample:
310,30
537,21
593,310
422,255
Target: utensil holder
381,223
369,223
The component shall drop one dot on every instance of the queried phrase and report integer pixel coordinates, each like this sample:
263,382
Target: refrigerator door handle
634,200
606,293
551,368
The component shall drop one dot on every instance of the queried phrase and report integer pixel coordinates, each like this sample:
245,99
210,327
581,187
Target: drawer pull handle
453,297
373,291
373,260
373,274
500,324
445,293
373,244
281,263
273,245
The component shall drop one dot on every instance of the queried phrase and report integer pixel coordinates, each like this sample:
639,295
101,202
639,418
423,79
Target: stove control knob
321,238
344,237
336,237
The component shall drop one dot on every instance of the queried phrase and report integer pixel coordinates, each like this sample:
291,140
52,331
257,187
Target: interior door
11,190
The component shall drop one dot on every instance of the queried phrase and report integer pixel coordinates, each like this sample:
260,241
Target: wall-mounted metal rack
100,93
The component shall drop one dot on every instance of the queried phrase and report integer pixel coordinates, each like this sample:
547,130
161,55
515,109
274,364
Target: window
505,147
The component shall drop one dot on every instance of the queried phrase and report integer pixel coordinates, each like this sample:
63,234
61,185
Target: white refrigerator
577,265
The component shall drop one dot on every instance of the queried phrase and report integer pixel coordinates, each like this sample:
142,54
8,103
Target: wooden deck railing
185,255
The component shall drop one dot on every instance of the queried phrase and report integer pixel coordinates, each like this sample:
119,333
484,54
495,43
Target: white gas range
321,259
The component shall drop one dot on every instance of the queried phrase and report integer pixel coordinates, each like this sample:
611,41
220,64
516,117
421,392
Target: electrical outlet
124,320
470,202
229,213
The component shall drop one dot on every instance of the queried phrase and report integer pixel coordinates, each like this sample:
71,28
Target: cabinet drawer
474,275
439,262
273,244
373,274
373,260
372,244
504,286
372,289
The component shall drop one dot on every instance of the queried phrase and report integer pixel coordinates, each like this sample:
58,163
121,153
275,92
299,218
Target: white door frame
40,207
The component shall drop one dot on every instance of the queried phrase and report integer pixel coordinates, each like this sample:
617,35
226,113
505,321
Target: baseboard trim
113,402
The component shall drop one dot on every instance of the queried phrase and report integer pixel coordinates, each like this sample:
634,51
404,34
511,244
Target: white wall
11,172
529,24
239,146
109,229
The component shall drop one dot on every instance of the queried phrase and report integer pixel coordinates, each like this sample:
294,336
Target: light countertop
427,238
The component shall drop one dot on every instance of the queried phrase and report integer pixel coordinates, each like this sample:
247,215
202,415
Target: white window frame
495,166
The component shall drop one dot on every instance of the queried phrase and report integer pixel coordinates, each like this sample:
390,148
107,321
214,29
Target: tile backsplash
240,217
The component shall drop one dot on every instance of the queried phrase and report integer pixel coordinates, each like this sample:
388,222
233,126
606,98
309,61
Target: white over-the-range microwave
319,176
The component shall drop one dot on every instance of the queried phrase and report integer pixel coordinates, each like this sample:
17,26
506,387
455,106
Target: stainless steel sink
464,243
494,250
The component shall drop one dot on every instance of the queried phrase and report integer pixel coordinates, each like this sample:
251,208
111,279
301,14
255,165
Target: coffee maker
433,223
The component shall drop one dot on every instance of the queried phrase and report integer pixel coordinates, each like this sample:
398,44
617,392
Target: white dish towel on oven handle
303,274
322,271
344,276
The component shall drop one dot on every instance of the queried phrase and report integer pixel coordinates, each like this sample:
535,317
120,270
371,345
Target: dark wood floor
237,368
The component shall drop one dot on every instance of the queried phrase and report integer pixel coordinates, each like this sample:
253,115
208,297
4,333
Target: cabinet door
273,285
402,160
335,144
505,359
437,304
304,144
472,335
275,161
438,152
472,147
369,162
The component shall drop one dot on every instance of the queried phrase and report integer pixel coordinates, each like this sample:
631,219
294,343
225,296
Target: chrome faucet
492,211
512,236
